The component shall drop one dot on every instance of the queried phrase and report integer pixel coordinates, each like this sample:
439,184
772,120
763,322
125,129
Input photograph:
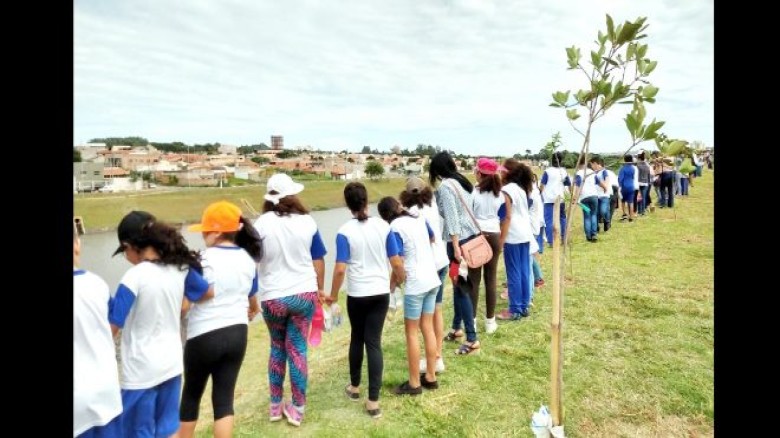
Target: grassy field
638,347
102,212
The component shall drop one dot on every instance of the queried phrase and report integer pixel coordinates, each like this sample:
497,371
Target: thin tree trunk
556,349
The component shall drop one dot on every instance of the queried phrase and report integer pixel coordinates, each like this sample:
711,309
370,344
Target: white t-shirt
485,206
366,247
96,394
520,223
553,179
587,180
604,176
290,243
147,306
431,214
421,272
234,275
536,211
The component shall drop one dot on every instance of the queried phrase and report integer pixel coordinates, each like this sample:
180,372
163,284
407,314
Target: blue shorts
440,294
416,305
110,430
628,195
152,411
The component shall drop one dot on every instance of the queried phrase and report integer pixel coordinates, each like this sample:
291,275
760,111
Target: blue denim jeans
605,212
590,219
464,310
641,206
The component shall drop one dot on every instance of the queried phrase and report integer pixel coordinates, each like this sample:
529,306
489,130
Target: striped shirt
456,219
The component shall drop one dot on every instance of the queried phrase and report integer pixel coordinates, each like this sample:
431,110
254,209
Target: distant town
106,167
134,163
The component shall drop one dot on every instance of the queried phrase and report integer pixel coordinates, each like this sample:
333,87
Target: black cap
131,227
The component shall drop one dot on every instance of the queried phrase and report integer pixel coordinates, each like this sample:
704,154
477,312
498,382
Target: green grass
638,348
185,205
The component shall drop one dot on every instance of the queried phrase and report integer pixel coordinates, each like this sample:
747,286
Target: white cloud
468,75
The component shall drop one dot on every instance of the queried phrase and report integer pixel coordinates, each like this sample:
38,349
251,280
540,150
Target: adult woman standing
554,183
217,329
486,200
291,276
454,191
363,247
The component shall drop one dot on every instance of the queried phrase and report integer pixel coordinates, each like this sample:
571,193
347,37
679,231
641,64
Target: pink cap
487,166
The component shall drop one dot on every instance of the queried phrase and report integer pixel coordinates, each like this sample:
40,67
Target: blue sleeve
598,179
578,180
399,242
567,181
342,248
254,289
195,286
430,230
119,306
318,250
604,175
392,245
544,178
502,212
621,176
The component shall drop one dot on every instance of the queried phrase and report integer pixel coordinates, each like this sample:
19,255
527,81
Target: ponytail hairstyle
389,209
420,199
356,197
141,230
248,238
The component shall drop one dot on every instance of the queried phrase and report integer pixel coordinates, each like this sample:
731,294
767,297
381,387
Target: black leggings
219,354
367,318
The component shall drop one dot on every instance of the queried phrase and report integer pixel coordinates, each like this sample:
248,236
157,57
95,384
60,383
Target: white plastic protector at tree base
541,424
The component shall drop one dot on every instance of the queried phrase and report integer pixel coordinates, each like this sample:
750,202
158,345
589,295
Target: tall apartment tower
277,142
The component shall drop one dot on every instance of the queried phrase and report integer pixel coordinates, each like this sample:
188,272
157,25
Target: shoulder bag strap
468,210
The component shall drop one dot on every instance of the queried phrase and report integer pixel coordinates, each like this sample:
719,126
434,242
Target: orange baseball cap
222,216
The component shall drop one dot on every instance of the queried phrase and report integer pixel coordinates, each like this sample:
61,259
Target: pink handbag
476,251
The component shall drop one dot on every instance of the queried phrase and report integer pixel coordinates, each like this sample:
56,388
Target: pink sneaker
275,412
294,416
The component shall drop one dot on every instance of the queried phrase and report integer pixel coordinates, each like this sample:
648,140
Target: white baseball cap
283,185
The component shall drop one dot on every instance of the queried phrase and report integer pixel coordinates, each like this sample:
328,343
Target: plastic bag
541,424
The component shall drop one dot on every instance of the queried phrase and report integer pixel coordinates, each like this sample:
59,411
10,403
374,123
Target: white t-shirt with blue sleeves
588,181
96,392
414,236
290,244
520,230
366,247
431,215
554,179
147,306
233,274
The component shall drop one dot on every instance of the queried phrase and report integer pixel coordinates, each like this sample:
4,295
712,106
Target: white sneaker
491,325
439,365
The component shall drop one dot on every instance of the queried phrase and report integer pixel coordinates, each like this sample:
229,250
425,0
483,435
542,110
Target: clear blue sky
471,76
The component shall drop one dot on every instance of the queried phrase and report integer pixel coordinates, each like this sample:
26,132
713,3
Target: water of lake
96,248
